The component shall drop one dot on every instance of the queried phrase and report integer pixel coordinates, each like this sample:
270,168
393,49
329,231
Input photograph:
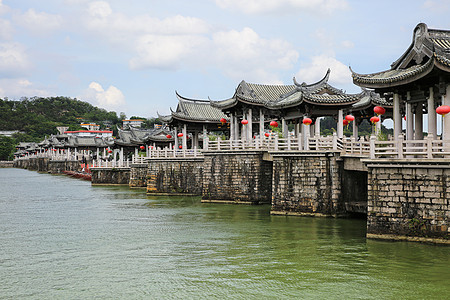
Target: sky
132,56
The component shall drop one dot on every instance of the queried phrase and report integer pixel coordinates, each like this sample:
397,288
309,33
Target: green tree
6,148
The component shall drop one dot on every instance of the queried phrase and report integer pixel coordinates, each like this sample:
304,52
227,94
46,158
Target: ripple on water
62,238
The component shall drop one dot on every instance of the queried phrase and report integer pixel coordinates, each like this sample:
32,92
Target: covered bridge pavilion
417,83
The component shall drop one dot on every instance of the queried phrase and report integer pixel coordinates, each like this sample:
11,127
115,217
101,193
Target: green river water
61,238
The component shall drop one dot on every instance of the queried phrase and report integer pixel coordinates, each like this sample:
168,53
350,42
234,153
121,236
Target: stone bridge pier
242,177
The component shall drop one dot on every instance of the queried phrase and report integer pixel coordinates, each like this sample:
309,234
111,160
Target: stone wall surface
237,177
110,176
6,164
138,175
408,201
307,184
175,176
59,166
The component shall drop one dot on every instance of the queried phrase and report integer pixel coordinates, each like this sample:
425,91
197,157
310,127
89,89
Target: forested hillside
39,117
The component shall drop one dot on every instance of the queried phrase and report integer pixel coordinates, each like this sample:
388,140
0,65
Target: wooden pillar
284,128
250,124
340,124
355,129
397,116
409,118
205,137
305,134
236,128
184,139
176,137
446,118
378,125
418,122
431,115
261,123
232,131
195,139
297,129
317,127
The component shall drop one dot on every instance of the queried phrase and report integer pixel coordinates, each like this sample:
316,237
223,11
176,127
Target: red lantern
374,120
223,121
273,124
54,150
443,110
181,147
267,134
109,151
404,118
180,134
379,110
345,122
244,122
142,147
307,121
168,136
350,118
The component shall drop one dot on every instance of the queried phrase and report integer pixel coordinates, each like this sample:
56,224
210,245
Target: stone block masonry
408,202
110,176
138,176
307,183
43,164
241,177
176,176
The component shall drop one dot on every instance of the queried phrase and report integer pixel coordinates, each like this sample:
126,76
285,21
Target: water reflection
62,238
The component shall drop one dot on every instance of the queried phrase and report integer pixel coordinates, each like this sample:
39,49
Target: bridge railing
426,148
100,163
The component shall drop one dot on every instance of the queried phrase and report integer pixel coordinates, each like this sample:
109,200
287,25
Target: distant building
9,132
90,133
136,123
90,126
62,129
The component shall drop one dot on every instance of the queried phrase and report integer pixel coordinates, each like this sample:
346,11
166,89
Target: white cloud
15,88
13,59
317,68
245,55
100,9
165,52
3,8
110,99
283,6
6,30
239,54
123,30
39,22
437,6
178,41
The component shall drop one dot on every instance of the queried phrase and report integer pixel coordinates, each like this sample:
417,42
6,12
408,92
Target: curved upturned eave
220,105
165,119
179,118
442,63
324,80
397,80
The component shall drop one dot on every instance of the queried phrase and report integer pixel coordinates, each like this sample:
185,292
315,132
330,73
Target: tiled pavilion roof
429,50
192,110
275,97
